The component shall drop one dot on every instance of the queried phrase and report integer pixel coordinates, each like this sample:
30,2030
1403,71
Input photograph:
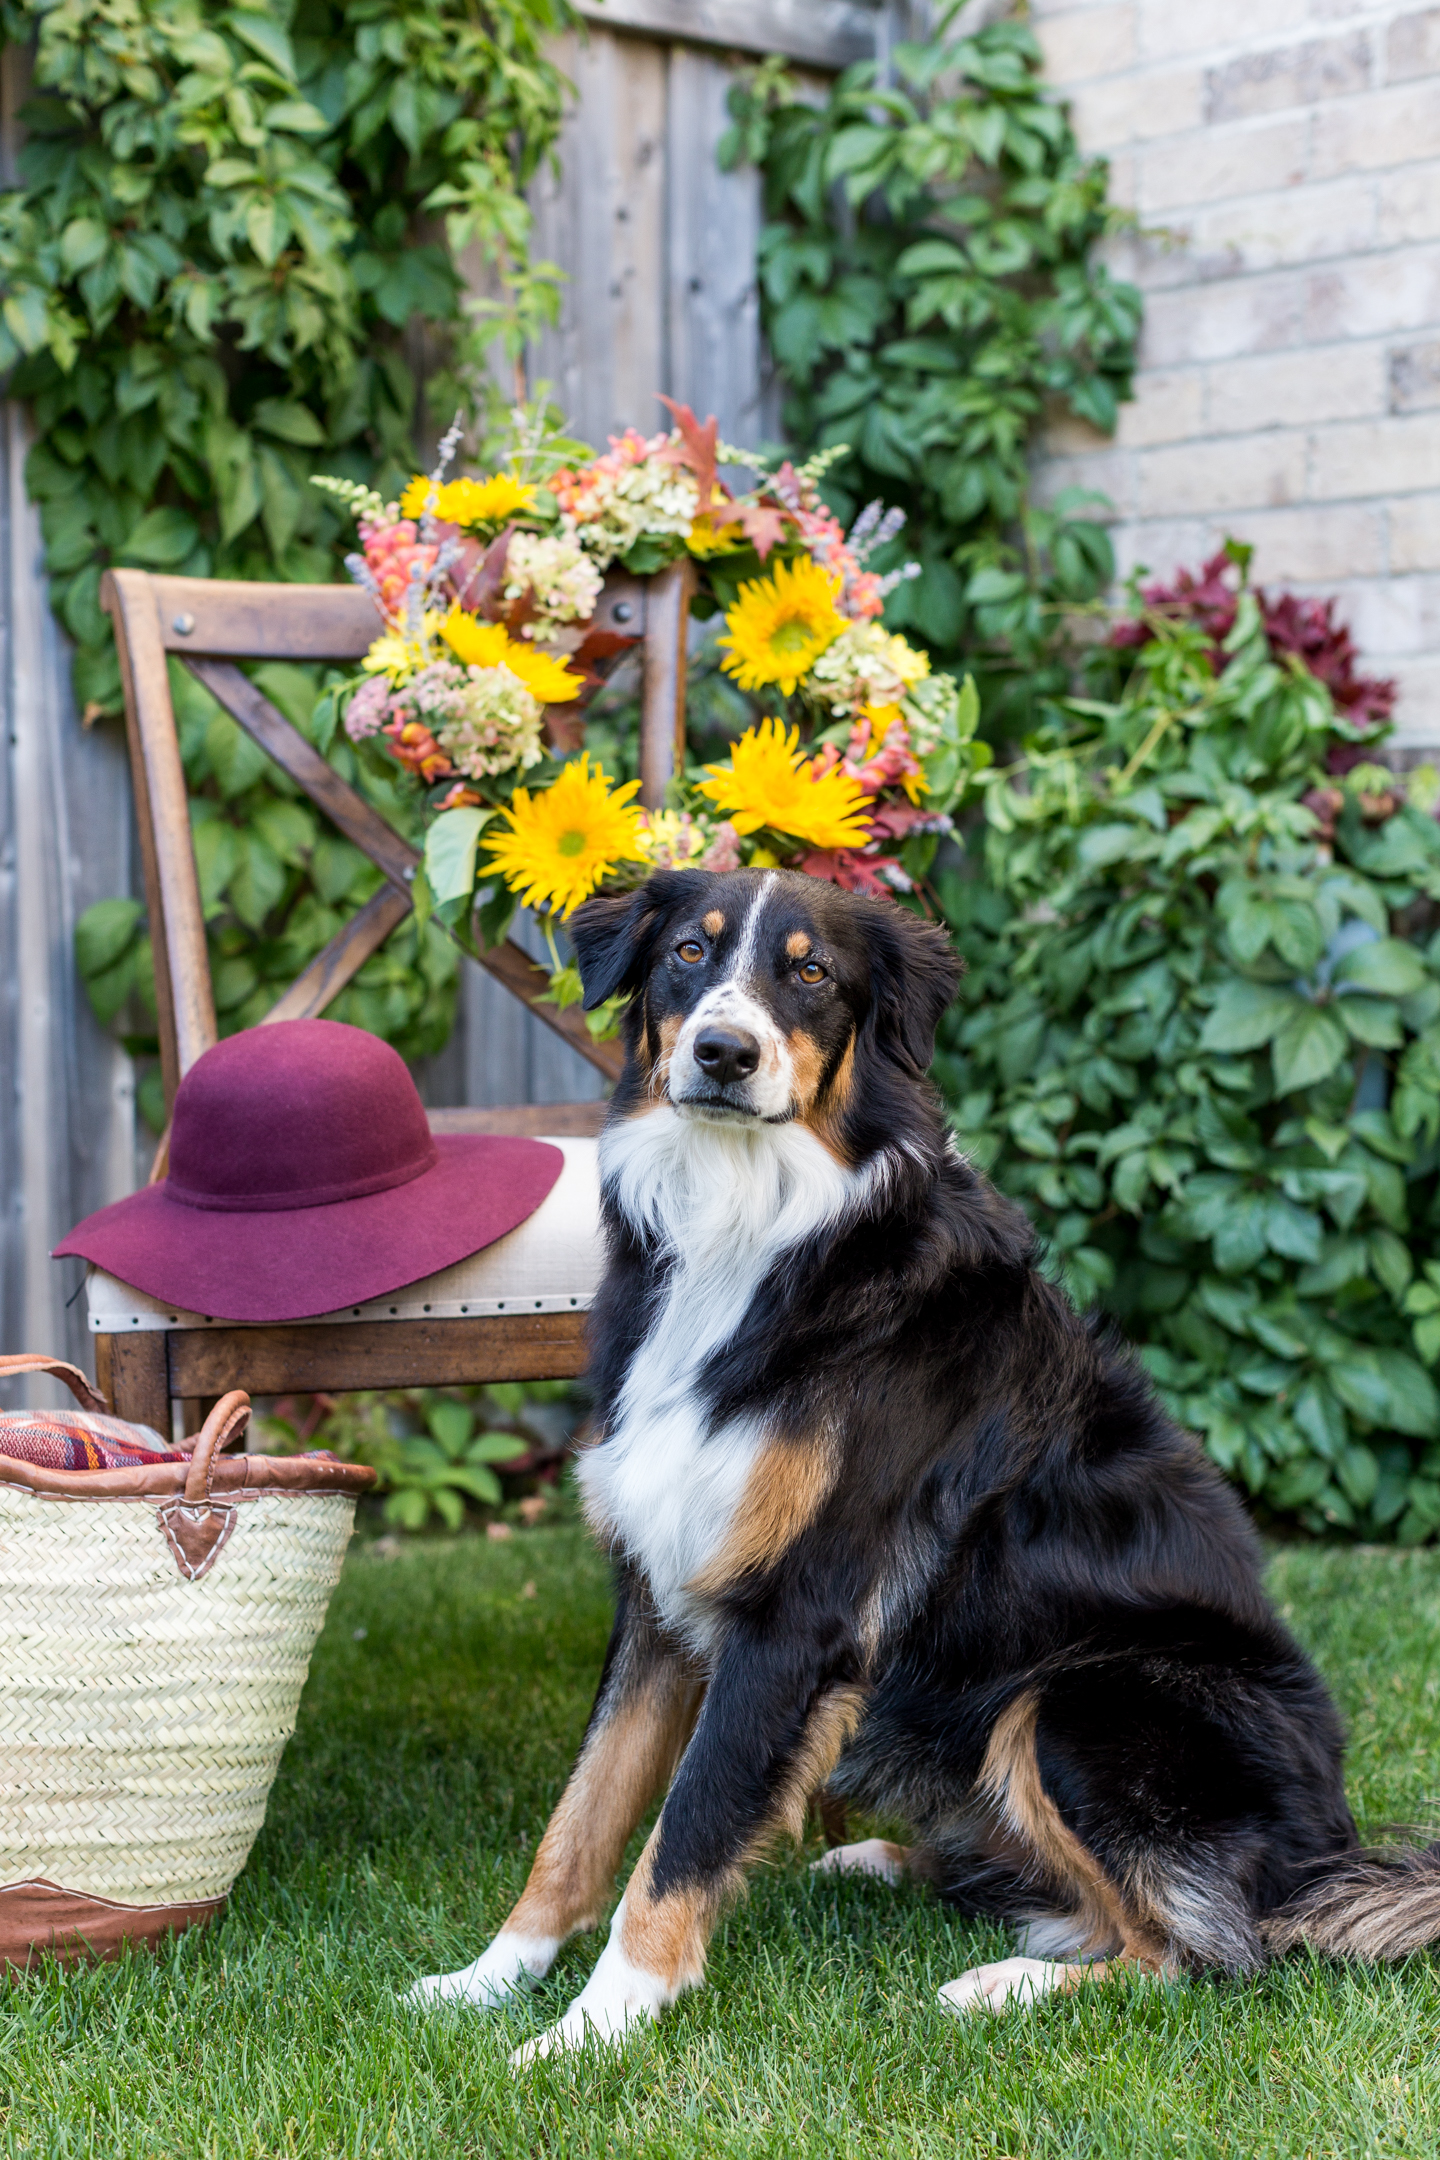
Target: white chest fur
726,1201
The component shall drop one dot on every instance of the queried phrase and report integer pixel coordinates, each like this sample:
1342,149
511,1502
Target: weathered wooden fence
659,250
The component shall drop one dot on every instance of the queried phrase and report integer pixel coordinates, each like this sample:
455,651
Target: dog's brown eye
692,950
812,972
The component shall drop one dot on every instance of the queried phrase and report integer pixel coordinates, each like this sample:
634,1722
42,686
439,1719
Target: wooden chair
212,625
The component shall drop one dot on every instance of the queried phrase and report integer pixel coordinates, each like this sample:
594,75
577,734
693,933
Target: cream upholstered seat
550,1263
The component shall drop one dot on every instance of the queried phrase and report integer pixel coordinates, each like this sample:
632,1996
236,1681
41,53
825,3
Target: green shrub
225,222
1199,1039
930,280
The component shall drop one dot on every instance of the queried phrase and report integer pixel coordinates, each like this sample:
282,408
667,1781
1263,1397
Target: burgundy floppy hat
304,1177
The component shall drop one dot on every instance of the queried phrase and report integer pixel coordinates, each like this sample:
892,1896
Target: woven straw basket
156,1625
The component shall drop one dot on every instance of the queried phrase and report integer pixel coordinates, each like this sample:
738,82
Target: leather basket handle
226,1422
89,1398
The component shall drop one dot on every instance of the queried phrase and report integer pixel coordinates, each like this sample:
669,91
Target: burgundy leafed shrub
1305,627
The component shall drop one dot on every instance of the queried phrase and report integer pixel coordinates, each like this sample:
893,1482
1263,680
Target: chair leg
133,1371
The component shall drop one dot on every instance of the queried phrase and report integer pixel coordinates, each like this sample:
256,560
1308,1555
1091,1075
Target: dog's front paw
872,1856
510,1965
1014,1980
616,1997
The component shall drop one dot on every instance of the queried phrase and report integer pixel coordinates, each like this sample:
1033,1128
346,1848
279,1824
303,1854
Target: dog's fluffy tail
1372,1905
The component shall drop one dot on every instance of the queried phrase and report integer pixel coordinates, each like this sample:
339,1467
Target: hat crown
295,1115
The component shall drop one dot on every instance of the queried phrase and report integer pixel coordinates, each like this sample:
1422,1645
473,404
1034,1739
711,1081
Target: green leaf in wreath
450,847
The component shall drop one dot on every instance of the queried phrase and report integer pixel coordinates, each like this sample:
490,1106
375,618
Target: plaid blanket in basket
78,1440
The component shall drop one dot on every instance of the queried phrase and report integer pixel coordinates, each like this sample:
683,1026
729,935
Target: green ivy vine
226,219
929,283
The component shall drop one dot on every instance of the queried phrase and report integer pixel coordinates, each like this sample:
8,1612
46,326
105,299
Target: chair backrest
212,624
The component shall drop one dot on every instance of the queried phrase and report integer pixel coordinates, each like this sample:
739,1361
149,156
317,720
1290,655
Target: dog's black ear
915,972
614,936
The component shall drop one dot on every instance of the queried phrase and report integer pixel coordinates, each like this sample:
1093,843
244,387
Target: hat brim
295,1263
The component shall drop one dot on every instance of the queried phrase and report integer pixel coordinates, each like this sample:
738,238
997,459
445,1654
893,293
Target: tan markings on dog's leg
713,923
667,1936
657,1944
797,944
623,1764
831,1725
1010,1774
628,1754
784,1492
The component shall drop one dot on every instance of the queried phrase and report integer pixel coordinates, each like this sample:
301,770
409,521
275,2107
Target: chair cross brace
213,624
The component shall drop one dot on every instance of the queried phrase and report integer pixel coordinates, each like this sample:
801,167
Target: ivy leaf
258,882
1308,1048
235,760
296,116
1387,966
1246,1015
1373,1021
267,227
83,242
161,539
103,933
338,869
289,419
264,35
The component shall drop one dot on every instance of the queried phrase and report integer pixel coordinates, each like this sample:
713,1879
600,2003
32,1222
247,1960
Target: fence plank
67,1131
713,229
826,33
603,220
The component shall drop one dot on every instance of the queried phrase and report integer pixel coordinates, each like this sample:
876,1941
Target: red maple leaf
765,525
696,447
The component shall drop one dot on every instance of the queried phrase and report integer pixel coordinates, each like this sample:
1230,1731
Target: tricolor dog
889,1517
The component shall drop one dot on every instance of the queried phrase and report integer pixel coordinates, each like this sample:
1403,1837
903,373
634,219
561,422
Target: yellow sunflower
781,624
769,782
711,535
486,644
561,843
470,502
396,655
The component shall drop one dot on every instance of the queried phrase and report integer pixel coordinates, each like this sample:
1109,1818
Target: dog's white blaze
770,1088
724,1202
733,1003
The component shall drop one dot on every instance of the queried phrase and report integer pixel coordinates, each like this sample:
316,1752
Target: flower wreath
489,654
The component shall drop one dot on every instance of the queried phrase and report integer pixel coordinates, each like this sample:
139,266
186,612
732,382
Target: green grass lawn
446,1698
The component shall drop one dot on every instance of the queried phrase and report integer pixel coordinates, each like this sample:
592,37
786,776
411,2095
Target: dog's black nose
726,1054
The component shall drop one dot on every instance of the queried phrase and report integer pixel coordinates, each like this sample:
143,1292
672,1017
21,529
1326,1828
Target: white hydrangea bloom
563,578
489,723
867,665
654,497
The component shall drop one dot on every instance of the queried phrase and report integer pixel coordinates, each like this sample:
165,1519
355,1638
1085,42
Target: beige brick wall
1283,157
